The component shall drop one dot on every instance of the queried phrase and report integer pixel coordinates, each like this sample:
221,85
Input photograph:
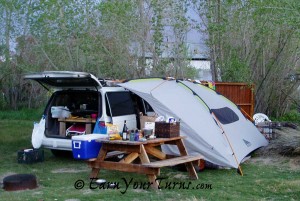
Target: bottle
140,134
132,134
136,135
124,132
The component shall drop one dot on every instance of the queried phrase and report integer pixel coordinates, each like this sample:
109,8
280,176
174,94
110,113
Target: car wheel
62,153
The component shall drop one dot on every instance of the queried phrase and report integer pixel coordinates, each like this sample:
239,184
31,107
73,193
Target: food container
60,112
147,132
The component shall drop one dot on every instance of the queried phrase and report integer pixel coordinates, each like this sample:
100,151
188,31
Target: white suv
84,96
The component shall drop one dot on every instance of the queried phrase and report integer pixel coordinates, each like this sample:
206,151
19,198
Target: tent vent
248,144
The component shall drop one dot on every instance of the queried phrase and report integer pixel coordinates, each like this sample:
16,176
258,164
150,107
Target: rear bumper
59,144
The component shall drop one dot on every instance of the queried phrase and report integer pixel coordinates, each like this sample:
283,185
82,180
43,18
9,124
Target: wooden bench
187,160
173,161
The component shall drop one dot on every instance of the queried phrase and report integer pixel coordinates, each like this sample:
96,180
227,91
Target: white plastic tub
60,112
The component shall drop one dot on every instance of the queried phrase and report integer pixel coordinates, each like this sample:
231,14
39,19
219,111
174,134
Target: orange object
202,165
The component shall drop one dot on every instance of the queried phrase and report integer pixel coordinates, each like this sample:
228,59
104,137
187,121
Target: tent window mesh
225,115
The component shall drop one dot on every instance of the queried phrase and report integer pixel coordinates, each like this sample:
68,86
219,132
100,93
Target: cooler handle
76,145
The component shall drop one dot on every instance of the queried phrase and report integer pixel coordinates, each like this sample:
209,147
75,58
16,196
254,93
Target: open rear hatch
64,79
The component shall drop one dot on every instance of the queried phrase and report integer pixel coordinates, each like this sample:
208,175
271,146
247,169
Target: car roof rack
108,82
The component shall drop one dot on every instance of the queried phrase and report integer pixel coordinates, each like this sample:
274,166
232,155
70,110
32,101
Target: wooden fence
241,94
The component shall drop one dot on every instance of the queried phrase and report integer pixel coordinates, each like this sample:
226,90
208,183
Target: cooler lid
89,137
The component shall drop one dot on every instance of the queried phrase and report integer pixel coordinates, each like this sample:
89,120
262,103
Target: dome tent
214,126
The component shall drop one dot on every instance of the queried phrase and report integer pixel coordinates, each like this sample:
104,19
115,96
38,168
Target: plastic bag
99,128
38,134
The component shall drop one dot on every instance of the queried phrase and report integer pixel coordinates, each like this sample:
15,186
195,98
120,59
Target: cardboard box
144,119
85,146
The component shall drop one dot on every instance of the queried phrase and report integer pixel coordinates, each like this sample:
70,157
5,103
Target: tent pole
219,124
249,117
157,86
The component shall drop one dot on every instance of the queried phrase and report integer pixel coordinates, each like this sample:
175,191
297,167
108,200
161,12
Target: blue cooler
85,146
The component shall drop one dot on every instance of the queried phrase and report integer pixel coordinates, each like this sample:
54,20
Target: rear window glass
75,99
142,105
120,103
70,82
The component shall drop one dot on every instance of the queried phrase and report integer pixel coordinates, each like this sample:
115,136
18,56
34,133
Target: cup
94,116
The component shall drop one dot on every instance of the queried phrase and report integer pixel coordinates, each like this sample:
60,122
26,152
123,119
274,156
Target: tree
255,41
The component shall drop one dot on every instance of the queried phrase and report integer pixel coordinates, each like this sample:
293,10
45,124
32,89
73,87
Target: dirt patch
283,149
286,142
180,176
68,170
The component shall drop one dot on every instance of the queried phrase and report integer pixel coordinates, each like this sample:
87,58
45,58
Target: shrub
291,116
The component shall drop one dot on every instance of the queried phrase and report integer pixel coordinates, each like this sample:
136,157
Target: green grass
57,176
23,114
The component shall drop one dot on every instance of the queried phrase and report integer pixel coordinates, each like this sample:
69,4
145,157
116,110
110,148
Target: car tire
62,153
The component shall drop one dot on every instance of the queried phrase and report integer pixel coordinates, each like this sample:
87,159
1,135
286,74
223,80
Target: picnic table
142,150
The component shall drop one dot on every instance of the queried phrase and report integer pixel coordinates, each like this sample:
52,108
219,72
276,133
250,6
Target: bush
292,116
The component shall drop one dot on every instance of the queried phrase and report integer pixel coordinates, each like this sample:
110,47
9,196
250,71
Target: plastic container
60,112
29,156
85,146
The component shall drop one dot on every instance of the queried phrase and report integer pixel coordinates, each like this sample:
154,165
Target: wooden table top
78,120
150,141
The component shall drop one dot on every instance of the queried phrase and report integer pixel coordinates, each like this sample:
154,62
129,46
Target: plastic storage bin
29,156
60,112
85,146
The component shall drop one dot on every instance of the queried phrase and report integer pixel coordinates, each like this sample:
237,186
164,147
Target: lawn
57,177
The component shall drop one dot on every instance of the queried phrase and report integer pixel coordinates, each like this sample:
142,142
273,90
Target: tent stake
219,124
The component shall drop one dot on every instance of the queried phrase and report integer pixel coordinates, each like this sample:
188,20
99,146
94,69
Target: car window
73,99
141,105
120,104
148,107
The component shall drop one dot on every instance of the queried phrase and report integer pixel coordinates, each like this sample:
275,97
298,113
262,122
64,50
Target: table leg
88,128
130,158
189,166
62,129
155,152
101,157
144,159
